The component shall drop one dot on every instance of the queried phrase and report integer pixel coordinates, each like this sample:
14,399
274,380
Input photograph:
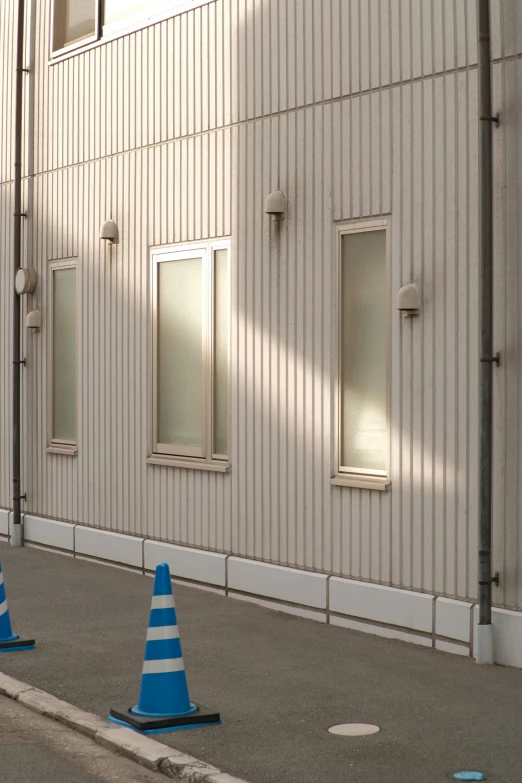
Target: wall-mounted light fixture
25,281
408,300
275,204
109,231
34,320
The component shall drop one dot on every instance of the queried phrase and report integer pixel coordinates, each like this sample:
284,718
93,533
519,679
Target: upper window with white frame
363,437
76,23
190,329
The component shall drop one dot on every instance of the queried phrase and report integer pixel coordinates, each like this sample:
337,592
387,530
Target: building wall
178,132
7,48
507,141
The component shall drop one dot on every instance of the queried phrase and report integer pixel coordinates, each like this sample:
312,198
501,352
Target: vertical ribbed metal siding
6,283
7,82
387,124
507,141
7,79
107,483
237,60
423,533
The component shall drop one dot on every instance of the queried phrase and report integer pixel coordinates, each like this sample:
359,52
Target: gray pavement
34,749
280,682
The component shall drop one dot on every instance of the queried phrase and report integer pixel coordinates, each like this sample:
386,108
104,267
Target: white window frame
347,475
183,456
56,445
106,33
82,42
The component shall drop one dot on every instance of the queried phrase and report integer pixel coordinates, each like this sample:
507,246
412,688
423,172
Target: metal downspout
16,530
484,648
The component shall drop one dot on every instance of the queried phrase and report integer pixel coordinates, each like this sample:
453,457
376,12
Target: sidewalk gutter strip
141,749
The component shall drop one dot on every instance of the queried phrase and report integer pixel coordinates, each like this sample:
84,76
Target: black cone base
142,723
17,643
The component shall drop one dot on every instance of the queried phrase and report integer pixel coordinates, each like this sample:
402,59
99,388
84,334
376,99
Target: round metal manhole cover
354,729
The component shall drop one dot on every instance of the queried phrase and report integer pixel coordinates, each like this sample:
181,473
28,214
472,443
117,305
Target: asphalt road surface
34,749
280,682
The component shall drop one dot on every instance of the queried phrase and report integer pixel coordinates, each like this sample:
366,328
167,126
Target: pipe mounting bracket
493,359
495,119
494,580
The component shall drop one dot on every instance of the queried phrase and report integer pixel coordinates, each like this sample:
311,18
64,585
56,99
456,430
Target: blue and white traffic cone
9,641
164,703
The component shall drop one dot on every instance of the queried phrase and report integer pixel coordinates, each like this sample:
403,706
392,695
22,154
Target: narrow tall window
220,364
190,342
63,354
363,397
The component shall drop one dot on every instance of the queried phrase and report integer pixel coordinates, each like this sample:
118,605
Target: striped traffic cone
9,641
164,703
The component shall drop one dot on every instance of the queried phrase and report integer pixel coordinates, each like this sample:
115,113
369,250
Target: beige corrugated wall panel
377,536
236,60
507,140
108,483
178,132
8,9
506,28
282,362
7,82
6,287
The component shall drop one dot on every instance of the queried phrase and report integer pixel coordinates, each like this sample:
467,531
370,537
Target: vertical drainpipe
484,645
16,529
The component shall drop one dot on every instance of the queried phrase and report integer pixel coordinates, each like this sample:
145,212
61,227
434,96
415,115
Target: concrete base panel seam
383,610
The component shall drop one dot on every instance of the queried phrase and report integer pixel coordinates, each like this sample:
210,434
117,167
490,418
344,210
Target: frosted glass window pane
221,352
115,10
363,352
64,354
73,21
180,353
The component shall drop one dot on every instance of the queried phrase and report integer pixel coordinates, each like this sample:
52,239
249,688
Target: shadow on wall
277,504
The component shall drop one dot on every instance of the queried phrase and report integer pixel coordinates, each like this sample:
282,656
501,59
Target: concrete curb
142,749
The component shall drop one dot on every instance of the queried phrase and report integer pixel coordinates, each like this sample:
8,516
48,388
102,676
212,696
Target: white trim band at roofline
163,666
162,632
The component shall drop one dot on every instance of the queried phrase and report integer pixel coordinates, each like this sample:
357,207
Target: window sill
69,451
361,482
213,467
